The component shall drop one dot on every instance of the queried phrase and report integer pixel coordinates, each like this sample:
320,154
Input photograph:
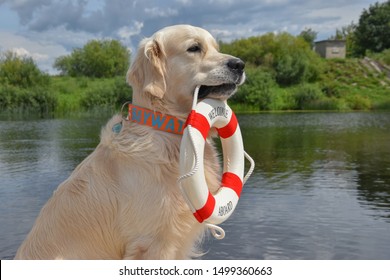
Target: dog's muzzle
236,75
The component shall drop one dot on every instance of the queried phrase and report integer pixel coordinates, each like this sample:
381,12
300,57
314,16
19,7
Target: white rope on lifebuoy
210,208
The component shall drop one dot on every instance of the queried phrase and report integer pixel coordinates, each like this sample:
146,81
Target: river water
320,189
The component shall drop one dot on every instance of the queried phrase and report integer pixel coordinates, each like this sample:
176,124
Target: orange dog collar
155,120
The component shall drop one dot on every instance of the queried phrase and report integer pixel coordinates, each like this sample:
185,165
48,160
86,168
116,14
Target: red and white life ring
207,207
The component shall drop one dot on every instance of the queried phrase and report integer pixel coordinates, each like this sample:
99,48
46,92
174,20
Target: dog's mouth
219,91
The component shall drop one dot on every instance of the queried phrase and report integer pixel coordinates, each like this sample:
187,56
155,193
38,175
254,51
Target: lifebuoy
205,206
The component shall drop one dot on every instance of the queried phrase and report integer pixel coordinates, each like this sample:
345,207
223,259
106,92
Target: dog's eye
194,48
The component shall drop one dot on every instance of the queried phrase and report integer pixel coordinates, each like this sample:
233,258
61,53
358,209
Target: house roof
330,41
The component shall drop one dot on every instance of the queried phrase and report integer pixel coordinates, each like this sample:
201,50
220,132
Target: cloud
70,23
106,17
25,8
126,32
43,52
36,56
160,13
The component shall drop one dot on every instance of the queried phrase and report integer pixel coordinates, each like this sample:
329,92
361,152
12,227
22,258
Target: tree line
25,88
97,59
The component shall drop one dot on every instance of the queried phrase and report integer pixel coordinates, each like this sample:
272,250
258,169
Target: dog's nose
236,64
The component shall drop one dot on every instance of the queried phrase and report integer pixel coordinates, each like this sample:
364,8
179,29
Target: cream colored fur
123,201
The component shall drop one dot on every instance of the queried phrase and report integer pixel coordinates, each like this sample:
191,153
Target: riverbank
344,85
65,96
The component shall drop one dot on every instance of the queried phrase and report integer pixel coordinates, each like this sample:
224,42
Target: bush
328,104
110,95
24,87
289,57
305,95
257,90
21,71
331,89
358,102
295,62
98,59
383,105
383,57
32,100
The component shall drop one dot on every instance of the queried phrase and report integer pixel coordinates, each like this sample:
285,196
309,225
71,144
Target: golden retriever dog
123,201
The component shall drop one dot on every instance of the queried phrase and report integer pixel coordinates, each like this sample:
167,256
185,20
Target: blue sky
46,29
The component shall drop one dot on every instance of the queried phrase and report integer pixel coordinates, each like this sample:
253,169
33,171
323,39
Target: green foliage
355,85
289,57
21,71
257,90
111,95
345,84
98,58
382,57
23,87
309,35
296,62
283,73
27,100
358,102
262,92
305,95
373,30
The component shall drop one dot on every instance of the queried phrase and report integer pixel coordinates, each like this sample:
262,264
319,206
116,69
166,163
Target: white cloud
54,27
22,52
43,54
158,12
126,32
184,2
61,36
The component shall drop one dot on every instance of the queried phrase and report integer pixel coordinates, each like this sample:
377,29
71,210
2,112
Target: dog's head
170,64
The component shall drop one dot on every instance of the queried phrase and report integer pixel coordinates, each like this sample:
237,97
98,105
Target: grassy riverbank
344,85
84,94
350,84
65,96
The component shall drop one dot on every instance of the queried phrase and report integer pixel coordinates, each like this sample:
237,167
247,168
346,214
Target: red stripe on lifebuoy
232,181
205,212
199,122
228,130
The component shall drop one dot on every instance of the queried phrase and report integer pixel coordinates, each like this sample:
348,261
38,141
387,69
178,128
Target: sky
47,29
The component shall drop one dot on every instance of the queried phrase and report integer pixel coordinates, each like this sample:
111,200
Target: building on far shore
331,48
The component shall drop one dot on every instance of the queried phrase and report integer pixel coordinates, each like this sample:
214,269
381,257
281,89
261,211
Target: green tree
23,86
373,30
20,71
294,61
257,89
309,35
98,58
290,58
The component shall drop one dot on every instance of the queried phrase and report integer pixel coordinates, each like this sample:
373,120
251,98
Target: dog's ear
147,71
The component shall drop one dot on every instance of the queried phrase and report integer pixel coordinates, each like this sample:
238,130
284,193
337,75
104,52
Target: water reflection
320,191
352,144
35,156
321,187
